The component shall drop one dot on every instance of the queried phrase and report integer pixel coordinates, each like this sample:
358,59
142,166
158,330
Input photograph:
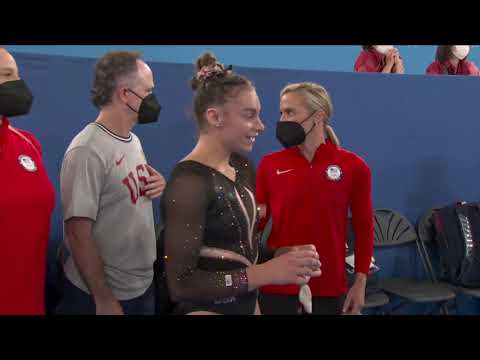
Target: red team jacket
26,204
309,204
465,67
370,60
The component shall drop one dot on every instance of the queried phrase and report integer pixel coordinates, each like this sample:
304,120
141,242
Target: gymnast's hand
285,249
294,267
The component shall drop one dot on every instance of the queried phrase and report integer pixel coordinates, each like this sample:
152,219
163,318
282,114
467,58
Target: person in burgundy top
452,60
26,202
307,190
380,59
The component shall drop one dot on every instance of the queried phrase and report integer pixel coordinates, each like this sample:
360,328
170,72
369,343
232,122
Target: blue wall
312,57
419,134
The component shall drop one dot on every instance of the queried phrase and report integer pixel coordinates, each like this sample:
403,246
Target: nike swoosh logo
283,172
119,161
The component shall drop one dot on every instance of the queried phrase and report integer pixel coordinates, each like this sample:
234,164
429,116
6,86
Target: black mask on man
149,109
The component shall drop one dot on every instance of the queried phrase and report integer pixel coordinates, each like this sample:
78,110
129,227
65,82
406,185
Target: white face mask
383,49
460,51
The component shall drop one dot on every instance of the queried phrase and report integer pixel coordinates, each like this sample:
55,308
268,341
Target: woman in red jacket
26,202
379,58
452,60
307,190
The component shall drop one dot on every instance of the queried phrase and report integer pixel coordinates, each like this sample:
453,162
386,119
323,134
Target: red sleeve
261,192
367,62
434,69
472,68
362,217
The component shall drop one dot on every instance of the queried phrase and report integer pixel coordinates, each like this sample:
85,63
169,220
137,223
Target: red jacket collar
451,69
325,148
5,121
378,56
4,127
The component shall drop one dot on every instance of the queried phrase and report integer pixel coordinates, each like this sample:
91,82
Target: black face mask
15,98
149,110
291,133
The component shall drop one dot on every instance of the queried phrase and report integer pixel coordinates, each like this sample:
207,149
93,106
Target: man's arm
90,265
81,182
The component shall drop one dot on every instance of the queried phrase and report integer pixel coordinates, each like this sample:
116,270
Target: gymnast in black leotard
209,211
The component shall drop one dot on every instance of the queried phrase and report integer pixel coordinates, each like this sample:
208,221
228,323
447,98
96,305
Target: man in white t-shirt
107,189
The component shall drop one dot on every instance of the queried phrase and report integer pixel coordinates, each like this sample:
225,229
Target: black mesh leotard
210,237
